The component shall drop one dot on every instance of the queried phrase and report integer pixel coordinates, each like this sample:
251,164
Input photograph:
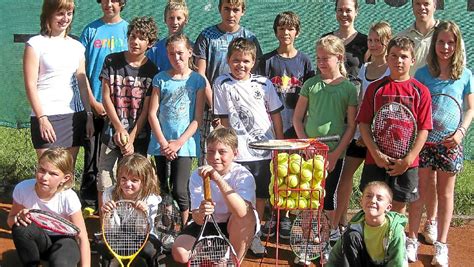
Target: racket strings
446,116
125,230
394,130
211,251
308,237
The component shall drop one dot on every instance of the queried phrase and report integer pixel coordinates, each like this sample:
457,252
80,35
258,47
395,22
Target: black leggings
149,252
34,244
179,178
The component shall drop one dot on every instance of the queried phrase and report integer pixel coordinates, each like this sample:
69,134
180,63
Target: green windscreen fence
20,18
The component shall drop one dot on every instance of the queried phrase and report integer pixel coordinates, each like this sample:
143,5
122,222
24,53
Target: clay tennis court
461,248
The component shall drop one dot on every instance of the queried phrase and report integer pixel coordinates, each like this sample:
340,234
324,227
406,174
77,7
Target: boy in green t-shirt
375,235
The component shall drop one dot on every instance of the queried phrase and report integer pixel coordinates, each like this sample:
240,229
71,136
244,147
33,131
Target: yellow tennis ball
306,175
290,203
294,167
124,138
302,203
318,175
305,190
315,184
282,170
314,204
283,190
282,158
318,193
294,194
295,157
281,180
318,164
292,180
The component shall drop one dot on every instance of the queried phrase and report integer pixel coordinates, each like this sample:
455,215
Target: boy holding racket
375,235
400,174
233,195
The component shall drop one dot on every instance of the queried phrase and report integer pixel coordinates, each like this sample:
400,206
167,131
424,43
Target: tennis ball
280,180
295,157
306,175
315,184
282,158
318,193
305,190
294,167
318,163
290,203
302,203
292,180
318,175
283,190
279,202
314,204
282,170
124,138
294,194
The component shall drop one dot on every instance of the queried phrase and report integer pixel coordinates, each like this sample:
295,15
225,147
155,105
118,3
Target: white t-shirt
64,203
239,178
152,202
248,105
57,85
364,84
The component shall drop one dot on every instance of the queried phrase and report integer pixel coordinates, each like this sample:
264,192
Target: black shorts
404,187
261,172
69,130
332,183
193,229
356,151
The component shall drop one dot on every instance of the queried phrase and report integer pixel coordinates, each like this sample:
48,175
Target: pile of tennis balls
293,172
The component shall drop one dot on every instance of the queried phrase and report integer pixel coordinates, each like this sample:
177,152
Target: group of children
150,98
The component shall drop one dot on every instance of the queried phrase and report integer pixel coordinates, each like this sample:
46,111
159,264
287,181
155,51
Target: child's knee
181,248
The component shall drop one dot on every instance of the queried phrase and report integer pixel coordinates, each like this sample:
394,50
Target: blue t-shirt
211,45
287,75
455,88
177,110
101,39
158,55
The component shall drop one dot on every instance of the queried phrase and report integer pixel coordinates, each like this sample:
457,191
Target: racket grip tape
207,188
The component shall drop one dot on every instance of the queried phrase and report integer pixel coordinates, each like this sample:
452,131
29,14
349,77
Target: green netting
317,16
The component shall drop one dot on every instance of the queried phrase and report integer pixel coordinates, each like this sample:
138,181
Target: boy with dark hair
210,51
126,86
245,102
401,88
287,68
101,37
375,235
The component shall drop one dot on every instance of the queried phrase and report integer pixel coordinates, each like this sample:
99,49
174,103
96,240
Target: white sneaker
441,254
430,232
325,253
302,261
257,248
412,245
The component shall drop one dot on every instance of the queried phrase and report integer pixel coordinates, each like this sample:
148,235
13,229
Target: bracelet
42,116
462,131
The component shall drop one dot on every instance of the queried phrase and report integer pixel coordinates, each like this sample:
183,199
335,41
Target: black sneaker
269,228
285,227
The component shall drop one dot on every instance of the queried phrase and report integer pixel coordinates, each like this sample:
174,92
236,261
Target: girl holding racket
233,203
379,35
176,108
328,99
50,191
442,157
136,182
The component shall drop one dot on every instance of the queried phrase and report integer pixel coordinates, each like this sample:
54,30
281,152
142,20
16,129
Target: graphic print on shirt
182,98
128,95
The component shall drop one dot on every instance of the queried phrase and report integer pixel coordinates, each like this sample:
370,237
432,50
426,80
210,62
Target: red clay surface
461,247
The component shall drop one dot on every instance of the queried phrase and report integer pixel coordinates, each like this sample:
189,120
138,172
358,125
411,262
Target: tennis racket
212,250
447,117
394,130
290,144
125,230
309,234
168,222
53,222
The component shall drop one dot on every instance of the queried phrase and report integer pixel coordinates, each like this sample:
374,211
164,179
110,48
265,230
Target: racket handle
207,188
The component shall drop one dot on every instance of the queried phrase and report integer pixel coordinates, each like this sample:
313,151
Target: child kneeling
375,236
233,196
